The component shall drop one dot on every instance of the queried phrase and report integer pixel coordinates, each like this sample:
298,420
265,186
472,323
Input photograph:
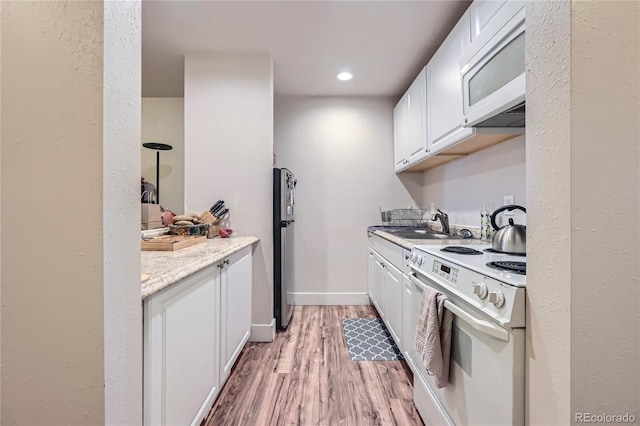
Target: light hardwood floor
305,377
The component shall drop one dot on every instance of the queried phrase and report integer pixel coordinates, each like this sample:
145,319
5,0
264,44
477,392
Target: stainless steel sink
421,234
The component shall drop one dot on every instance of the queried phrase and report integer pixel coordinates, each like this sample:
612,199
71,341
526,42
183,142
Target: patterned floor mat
369,340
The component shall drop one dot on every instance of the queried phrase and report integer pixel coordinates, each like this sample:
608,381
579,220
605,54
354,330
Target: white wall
341,150
70,154
583,165
0,221
228,104
163,121
52,291
459,188
549,226
605,207
121,159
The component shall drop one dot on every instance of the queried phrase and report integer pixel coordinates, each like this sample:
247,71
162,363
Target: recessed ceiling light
344,76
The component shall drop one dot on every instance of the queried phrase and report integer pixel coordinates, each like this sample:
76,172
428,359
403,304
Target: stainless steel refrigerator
284,184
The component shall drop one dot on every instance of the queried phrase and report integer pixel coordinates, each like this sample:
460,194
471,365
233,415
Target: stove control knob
421,260
480,289
497,298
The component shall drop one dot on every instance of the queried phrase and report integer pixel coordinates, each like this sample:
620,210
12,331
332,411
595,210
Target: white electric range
487,370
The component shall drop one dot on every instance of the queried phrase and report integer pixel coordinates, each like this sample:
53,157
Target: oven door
486,376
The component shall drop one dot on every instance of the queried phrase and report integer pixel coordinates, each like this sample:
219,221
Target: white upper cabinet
410,124
400,133
444,90
481,12
429,120
417,140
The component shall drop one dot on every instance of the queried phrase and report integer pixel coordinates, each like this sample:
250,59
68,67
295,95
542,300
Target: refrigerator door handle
285,223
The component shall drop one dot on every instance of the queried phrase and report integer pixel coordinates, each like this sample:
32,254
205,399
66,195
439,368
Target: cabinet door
481,12
417,118
378,285
400,132
408,331
371,277
444,90
180,351
393,302
235,308
377,281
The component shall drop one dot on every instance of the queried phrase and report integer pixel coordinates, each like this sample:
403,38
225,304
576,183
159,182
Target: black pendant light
158,147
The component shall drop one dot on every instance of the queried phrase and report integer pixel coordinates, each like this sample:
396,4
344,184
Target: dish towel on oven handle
433,335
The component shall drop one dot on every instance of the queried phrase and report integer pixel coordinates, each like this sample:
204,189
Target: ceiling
384,43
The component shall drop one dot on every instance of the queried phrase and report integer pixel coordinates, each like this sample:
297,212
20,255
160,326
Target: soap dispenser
485,222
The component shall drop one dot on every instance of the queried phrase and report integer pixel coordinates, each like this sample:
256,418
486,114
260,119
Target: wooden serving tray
172,242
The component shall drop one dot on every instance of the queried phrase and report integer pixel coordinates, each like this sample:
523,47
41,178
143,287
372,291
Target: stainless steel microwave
493,71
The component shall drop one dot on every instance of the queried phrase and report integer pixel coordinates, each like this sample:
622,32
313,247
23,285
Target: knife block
207,217
213,231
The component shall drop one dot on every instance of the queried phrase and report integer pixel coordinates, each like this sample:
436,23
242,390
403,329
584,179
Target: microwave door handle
481,325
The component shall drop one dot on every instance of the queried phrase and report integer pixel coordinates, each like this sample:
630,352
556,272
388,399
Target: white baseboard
263,332
331,299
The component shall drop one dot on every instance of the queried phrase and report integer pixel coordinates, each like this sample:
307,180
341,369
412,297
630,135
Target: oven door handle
481,325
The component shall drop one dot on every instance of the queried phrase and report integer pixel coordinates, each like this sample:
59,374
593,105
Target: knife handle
217,206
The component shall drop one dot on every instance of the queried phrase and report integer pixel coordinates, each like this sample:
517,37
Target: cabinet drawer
428,406
391,252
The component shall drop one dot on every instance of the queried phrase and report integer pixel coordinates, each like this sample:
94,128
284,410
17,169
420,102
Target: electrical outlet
508,200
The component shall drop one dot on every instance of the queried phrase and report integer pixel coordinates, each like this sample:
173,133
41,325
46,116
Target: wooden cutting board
172,242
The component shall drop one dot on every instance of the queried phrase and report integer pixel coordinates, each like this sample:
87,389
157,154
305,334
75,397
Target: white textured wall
52,280
549,219
605,207
341,150
121,213
459,188
0,217
228,106
163,121
583,182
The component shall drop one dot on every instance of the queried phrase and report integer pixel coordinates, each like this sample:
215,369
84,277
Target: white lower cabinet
386,284
392,293
370,282
235,308
193,332
181,330
398,299
376,277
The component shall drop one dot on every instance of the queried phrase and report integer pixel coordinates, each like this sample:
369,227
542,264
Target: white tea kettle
511,238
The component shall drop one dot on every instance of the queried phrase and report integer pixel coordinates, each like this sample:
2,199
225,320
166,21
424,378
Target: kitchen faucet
444,220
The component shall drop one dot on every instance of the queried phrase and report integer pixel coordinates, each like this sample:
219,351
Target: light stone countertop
408,244
168,267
